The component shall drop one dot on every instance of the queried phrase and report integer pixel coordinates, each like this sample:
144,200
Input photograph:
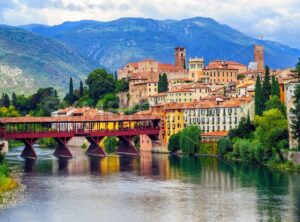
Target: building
209,115
246,88
290,87
259,57
151,69
196,66
223,72
180,57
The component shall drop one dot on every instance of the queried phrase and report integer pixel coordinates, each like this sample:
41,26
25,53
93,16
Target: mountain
115,43
29,61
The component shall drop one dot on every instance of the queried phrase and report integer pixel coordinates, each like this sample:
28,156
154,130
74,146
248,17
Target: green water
151,187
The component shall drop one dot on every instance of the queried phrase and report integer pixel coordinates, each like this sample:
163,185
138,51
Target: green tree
190,139
173,145
244,129
14,101
5,101
271,129
297,69
100,83
259,103
122,85
296,111
81,89
163,85
110,100
275,90
8,112
159,85
266,87
224,146
275,103
70,97
110,144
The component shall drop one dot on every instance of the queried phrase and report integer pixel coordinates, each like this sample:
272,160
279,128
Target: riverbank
6,182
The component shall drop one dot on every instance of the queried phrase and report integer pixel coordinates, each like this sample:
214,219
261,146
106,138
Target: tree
8,112
159,85
5,101
110,100
14,101
224,146
259,104
70,98
100,83
297,69
275,90
296,111
271,130
173,145
163,85
244,129
266,87
122,85
275,103
81,89
110,144
190,139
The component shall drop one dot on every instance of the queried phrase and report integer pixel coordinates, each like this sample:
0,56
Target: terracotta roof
246,84
65,110
179,90
97,118
216,134
134,64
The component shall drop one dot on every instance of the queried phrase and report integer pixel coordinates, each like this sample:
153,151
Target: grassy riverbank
6,183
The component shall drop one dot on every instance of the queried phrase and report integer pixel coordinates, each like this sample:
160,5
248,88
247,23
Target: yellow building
174,120
196,66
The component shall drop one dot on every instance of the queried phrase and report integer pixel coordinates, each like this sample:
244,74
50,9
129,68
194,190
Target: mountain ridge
117,42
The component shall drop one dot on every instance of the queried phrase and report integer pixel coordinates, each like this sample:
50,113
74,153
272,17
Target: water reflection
180,188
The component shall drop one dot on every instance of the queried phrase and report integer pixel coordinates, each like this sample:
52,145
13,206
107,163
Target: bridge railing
73,131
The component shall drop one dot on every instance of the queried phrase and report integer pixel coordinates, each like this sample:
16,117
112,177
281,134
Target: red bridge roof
96,118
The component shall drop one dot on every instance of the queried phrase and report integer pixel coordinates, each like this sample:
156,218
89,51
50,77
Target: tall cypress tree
296,111
14,101
159,87
275,90
259,104
81,90
297,69
164,84
5,100
266,88
71,91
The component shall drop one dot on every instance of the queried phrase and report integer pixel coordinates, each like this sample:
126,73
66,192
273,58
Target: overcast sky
277,20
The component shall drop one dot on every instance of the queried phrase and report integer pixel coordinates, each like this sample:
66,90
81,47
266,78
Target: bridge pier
62,150
28,152
126,146
95,149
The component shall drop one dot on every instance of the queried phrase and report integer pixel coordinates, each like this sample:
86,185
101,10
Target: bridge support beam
126,146
62,150
95,149
28,152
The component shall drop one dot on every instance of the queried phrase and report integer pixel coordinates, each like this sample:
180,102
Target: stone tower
259,56
180,56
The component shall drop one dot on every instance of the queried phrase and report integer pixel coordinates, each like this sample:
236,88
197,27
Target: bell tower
259,56
180,57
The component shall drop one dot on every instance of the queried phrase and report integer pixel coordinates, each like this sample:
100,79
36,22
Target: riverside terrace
93,128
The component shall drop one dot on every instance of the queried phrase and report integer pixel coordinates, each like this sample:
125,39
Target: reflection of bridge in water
94,129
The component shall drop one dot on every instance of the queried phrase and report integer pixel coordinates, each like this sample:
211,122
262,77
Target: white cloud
274,19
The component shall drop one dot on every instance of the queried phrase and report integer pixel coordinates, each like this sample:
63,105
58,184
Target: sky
277,20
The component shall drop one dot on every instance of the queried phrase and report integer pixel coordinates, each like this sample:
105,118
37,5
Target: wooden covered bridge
93,128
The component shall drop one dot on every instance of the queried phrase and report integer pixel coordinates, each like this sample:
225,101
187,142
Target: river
152,187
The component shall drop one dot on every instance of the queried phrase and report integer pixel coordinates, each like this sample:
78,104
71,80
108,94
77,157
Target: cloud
274,19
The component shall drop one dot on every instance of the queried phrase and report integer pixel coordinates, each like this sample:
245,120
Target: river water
152,187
